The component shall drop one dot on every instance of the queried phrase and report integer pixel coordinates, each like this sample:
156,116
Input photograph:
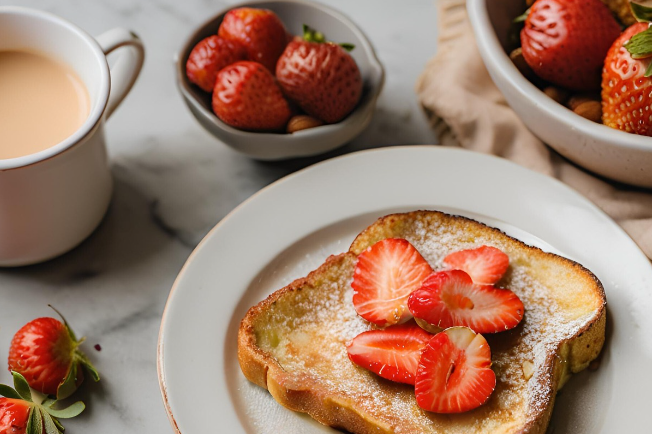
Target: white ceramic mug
52,200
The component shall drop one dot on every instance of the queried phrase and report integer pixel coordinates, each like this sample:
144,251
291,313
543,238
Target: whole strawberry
260,31
565,41
320,76
626,79
45,351
246,96
208,57
19,414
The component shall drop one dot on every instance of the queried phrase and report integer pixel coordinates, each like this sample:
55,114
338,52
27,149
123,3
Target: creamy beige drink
42,102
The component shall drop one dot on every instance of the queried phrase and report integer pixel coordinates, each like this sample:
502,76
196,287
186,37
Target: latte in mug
42,102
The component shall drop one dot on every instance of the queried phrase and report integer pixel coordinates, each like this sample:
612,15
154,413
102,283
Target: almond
557,94
521,64
302,122
591,110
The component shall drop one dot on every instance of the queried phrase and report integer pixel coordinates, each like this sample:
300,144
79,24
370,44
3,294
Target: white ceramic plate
290,227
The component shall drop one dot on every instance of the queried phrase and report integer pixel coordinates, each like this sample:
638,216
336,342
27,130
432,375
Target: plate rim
254,197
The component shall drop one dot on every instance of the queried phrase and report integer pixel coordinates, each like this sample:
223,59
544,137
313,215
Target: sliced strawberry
454,373
485,265
393,353
385,275
450,298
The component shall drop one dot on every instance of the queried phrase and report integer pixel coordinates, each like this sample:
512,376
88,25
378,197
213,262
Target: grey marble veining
173,182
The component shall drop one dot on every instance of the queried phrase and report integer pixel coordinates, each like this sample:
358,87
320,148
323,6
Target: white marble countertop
173,182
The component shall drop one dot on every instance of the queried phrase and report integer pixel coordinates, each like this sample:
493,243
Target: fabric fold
466,109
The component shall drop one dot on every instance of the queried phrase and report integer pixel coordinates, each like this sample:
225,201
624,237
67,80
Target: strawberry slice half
486,265
393,353
454,373
385,275
450,298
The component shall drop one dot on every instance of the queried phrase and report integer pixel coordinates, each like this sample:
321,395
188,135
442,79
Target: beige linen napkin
467,109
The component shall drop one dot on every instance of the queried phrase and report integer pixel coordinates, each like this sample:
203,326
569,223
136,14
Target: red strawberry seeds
385,275
392,353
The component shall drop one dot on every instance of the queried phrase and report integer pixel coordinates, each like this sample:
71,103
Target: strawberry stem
312,35
521,18
70,332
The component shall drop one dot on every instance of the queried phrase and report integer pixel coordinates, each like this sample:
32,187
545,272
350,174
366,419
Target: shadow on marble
124,238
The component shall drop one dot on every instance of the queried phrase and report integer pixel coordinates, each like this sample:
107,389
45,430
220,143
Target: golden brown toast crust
518,404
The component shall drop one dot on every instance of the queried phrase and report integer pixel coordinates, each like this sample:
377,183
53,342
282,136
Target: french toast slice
293,342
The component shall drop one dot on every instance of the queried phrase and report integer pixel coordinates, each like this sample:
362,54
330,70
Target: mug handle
126,68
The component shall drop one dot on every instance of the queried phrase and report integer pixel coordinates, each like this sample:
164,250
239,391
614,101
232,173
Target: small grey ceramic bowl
612,153
276,146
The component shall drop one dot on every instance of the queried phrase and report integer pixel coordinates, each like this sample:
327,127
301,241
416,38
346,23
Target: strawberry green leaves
35,422
43,417
22,387
48,421
68,386
82,359
8,392
640,45
642,13
312,35
521,18
69,412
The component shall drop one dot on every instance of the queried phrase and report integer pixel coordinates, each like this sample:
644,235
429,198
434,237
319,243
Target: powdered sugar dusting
307,336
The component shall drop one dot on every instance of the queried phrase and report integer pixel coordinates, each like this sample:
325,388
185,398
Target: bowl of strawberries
578,74
280,79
